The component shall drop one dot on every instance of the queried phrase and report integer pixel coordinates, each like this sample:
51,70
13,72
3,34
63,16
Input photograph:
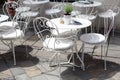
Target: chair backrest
9,8
58,7
41,28
44,34
110,4
108,29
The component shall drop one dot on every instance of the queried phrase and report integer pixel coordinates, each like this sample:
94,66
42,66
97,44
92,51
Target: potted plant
68,8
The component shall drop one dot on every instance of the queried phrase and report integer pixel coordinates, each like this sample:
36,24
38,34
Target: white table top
29,2
83,23
22,9
85,4
3,17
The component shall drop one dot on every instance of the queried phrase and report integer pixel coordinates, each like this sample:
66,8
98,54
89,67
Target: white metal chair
111,9
54,44
62,32
12,5
12,22
21,7
98,39
90,14
9,8
55,11
26,12
9,34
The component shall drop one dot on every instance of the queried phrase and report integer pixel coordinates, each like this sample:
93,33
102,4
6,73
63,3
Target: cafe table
73,28
36,5
75,23
86,4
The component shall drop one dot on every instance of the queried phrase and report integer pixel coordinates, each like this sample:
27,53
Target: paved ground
35,66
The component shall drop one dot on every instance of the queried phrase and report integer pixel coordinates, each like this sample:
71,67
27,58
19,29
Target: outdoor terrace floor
36,67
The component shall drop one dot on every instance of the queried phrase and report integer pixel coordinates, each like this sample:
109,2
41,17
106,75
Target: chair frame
107,31
57,41
22,27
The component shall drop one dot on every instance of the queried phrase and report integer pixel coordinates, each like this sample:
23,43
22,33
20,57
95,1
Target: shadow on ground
94,70
6,59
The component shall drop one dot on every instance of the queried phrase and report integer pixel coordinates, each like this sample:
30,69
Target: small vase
67,19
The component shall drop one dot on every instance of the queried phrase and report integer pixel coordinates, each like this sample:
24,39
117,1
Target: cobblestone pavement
36,65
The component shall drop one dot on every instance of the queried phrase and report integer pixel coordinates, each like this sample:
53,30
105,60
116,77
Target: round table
35,2
35,5
76,23
3,17
85,4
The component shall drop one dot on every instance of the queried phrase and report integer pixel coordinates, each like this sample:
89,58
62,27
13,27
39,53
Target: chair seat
64,32
29,14
22,9
52,11
92,38
108,14
87,16
58,43
12,34
9,24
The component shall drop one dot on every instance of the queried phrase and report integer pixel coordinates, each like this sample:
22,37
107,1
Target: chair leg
105,64
81,60
59,65
83,52
105,58
102,49
80,50
72,56
53,56
13,51
91,28
93,50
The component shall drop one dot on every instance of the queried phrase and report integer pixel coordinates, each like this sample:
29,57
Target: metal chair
56,11
21,7
9,34
98,39
58,45
12,21
90,14
26,12
9,8
110,10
